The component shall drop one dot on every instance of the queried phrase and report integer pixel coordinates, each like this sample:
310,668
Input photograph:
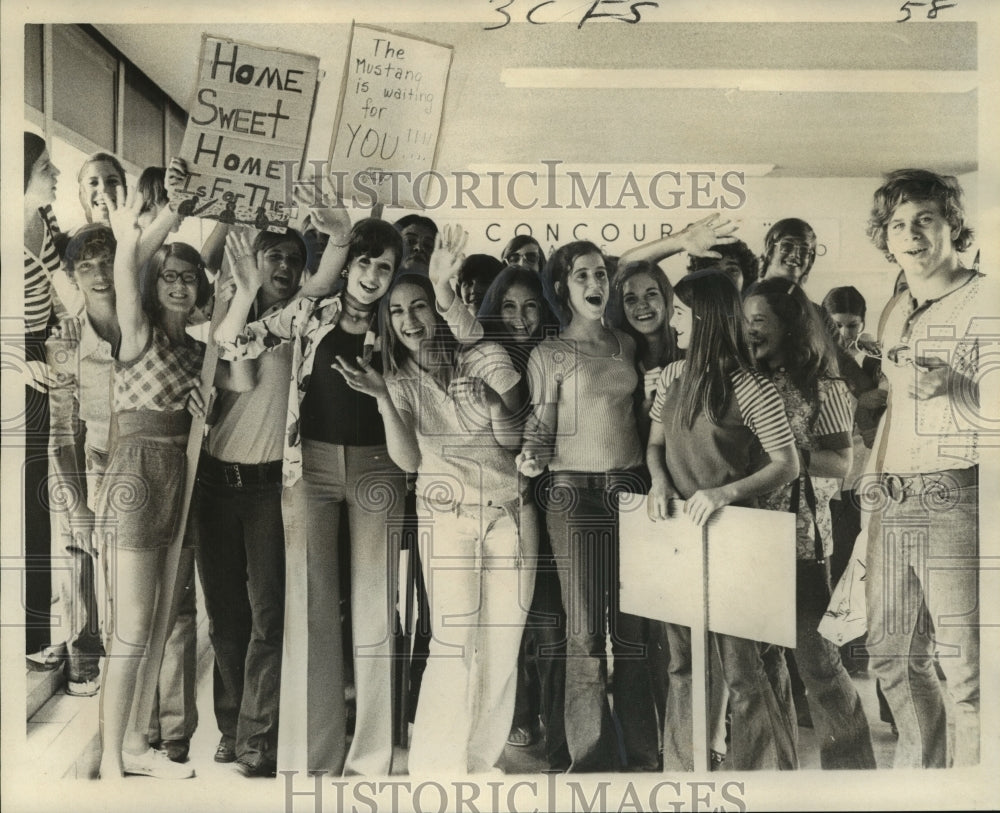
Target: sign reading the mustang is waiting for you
391,103
247,129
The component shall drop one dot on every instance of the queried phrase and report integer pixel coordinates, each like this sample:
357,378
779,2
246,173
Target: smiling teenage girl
710,415
583,428
335,456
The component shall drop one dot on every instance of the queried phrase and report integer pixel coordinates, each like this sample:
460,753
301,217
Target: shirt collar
90,341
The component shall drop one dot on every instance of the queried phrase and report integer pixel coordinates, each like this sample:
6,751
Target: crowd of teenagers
377,390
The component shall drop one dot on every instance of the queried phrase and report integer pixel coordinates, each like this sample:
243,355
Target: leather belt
239,475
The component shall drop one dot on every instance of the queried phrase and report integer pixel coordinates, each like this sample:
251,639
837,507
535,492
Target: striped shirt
759,403
39,297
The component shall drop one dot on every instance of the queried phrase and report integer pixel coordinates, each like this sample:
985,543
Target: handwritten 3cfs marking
621,10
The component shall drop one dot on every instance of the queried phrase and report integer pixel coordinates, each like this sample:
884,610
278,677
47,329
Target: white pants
480,573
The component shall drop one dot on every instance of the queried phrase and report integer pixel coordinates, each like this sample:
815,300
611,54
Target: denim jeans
834,704
582,521
363,481
241,560
763,730
922,588
478,565
541,663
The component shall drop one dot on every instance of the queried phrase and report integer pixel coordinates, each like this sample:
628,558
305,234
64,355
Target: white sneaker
155,764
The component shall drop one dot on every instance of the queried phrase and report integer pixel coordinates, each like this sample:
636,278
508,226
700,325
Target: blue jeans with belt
582,520
241,559
922,587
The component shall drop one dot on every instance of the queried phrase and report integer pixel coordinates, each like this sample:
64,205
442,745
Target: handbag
846,616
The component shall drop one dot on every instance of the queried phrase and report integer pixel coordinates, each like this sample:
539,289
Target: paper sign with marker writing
391,104
751,570
246,133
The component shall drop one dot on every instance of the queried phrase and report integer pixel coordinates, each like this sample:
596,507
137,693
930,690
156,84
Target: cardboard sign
247,129
391,103
751,570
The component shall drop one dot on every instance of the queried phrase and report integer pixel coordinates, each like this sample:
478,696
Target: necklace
355,313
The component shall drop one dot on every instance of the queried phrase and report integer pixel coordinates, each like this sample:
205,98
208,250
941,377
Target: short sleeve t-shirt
460,459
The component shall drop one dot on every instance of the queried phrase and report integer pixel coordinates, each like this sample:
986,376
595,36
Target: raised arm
696,238
330,217
247,278
445,262
132,319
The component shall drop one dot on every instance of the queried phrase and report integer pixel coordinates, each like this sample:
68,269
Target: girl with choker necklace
335,460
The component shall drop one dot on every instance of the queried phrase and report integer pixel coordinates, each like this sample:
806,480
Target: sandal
522,737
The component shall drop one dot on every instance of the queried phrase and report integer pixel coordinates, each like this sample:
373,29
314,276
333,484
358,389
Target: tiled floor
63,735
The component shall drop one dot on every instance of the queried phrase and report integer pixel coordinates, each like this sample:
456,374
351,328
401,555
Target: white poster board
751,570
389,118
246,133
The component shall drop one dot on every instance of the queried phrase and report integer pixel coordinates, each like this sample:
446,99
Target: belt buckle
232,474
895,488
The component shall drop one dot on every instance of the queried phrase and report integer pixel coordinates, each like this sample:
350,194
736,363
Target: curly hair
92,240
909,185
738,251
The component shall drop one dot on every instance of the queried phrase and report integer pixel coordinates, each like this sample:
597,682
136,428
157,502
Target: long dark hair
491,311
717,348
806,345
616,310
438,354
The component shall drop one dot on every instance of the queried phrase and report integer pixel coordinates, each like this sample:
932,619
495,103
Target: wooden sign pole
700,667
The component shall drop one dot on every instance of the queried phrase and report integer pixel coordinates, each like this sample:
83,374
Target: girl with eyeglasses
719,436
156,366
525,251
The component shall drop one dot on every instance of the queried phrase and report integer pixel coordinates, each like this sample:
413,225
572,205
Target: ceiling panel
818,134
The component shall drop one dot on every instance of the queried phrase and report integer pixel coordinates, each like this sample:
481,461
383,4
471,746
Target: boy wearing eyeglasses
922,575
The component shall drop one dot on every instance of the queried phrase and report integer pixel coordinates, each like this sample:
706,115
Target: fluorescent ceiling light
620,170
773,81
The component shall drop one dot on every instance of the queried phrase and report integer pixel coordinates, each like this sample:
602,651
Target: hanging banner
246,134
389,118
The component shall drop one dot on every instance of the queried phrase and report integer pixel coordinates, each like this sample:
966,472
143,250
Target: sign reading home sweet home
247,129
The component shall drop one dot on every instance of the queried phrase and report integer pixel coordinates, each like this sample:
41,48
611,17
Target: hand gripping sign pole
171,589
735,575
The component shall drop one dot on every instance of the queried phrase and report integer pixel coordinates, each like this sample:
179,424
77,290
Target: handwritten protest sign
247,129
391,104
